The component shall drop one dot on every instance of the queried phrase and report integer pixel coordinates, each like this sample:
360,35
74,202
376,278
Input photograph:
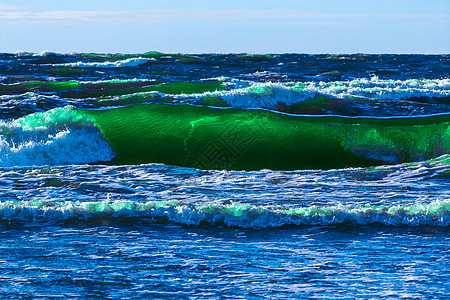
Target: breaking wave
234,214
59,136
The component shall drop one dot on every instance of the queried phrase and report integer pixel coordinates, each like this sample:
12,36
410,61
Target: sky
226,26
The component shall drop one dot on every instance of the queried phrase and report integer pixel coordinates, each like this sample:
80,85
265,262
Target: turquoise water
224,176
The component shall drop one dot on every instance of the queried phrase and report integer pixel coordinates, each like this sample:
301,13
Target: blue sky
259,26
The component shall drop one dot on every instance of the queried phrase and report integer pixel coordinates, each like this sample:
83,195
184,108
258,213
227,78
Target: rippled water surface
224,176
139,258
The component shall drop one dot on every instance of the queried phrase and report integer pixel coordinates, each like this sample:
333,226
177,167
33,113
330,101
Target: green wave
149,54
77,89
207,138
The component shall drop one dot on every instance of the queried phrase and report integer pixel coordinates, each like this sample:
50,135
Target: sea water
224,176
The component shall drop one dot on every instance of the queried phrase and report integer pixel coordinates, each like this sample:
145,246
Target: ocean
224,176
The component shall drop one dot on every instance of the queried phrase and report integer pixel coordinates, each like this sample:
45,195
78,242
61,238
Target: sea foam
58,136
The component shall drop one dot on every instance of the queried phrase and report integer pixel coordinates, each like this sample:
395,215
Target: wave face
209,138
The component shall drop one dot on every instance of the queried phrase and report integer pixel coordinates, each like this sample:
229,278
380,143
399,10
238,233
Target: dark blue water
140,258
74,225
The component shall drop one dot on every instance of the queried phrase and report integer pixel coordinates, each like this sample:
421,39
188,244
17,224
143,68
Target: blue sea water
75,222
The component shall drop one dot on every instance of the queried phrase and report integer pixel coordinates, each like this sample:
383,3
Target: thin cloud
21,15
10,7
50,15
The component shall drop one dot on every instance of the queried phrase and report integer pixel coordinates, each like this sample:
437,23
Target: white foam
59,136
71,145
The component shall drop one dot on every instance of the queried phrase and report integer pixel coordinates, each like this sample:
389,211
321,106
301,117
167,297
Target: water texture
229,176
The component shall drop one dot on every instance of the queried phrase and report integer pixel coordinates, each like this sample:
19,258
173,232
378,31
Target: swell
207,138
234,214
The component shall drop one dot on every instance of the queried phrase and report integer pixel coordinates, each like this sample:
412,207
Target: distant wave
361,97
271,94
234,214
131,62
